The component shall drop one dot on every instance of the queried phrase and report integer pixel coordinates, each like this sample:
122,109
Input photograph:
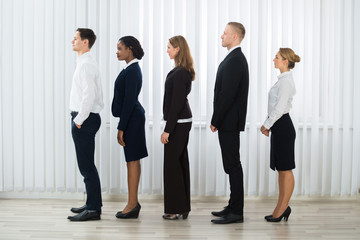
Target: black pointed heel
285,215
185,215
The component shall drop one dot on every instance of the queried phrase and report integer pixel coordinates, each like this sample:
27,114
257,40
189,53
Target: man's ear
86,42
235,36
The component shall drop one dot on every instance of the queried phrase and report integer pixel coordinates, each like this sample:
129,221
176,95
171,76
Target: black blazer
125,103
176,105
231,93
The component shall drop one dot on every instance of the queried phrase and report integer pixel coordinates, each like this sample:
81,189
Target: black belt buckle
74,114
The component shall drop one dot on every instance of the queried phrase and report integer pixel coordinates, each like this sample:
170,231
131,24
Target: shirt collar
135,60
233,48
284,74
83,56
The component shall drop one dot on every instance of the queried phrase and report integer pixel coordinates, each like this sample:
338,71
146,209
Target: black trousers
230,146
84,139
177,171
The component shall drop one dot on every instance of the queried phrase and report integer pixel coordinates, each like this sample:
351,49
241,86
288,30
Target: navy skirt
282,140
134,138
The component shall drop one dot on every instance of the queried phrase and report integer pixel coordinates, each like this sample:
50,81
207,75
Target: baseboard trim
123,197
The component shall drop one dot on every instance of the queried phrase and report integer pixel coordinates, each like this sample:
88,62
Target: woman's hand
264,130
213,128
120,138
164,137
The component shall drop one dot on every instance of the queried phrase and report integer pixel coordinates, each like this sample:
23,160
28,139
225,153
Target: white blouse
135,60
280,98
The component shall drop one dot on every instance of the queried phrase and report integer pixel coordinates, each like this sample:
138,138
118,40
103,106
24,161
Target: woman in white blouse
282,131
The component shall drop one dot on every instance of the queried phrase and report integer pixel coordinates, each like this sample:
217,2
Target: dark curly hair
132,43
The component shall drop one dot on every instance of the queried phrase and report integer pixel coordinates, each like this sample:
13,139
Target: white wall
37,63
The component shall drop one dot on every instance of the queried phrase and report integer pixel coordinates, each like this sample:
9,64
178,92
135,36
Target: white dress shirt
86,92
280,98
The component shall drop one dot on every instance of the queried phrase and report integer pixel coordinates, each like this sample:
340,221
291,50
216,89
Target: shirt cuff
267,124
80,118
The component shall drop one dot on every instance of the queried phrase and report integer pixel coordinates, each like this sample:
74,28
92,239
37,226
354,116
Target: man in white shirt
86,101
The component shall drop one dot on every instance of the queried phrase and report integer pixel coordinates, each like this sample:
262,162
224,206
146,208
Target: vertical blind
37,63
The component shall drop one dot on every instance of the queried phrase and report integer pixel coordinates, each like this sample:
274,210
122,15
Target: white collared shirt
135,60
86,92
280,98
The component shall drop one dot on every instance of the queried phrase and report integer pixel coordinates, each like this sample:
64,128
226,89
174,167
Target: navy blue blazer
231,93
125,103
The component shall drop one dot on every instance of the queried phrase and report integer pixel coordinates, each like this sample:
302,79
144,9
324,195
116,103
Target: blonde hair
238,28
183,58
289,54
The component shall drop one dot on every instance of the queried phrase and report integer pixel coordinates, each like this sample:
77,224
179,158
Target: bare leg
281,196
286,188
133,170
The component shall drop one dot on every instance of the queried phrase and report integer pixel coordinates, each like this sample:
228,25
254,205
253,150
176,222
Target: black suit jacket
176,105
231,93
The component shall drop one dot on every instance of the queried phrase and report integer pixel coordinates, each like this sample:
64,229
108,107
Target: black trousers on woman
177,171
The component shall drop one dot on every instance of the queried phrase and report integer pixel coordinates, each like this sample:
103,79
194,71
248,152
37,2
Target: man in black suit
230,104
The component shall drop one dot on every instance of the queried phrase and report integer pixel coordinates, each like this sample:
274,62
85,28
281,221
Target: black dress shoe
85,215
80,209
134,213
221,213
229,218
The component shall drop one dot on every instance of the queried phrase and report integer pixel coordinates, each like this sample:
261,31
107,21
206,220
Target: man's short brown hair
87,33
238,28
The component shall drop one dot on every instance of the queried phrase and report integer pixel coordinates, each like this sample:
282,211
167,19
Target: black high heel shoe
176,216
268,216
285,215
133,213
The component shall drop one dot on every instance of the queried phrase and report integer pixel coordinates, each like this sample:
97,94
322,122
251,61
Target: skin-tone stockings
286,188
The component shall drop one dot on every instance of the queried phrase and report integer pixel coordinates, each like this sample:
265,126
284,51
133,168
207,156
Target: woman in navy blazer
131,128
177,114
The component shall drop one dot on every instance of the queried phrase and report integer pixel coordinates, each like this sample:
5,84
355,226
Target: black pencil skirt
134,138
177,171
282,140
